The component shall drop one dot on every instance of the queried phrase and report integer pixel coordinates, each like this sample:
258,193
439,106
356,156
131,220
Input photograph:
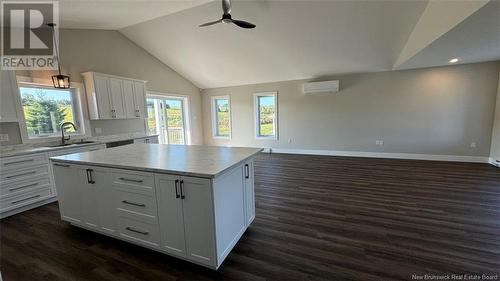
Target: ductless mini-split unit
321,87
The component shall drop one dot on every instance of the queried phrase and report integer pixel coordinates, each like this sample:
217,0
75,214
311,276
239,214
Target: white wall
495,139
112,53
438,111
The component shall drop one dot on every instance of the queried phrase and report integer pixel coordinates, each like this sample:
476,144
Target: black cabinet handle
176,189
131,180
136,231
247,171
20,175
182,189
89,176
134,204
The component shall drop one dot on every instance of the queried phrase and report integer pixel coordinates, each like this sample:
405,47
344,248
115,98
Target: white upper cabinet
9,92
113,97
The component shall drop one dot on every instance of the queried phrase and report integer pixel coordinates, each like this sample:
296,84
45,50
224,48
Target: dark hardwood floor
318,218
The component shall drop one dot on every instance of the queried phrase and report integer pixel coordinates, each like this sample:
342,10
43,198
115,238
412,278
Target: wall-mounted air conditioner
321,87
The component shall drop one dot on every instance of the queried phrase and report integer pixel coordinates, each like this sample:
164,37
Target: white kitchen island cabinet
191,202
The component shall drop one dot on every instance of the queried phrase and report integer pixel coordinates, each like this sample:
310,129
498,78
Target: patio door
167,118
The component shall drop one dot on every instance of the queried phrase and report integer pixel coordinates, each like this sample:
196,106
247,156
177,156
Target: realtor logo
27,41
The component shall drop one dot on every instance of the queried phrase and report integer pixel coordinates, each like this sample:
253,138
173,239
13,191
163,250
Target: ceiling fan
226,17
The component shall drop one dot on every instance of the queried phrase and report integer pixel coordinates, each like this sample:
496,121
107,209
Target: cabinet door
129,99
197,205
103,97
249,191
140,99
103,200
89,193
118,107
8,93
69,185
170,214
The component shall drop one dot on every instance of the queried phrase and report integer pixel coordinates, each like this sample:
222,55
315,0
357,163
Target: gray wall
427,111
495,140
112,53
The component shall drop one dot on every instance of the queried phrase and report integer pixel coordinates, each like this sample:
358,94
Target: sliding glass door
166,117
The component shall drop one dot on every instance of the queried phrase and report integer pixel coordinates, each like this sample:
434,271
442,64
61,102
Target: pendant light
60,81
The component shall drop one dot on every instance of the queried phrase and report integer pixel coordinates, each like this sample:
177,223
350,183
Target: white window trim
214,117
186,109
256,115
80,110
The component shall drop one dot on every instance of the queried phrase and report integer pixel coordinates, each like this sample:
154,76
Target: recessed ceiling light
453,60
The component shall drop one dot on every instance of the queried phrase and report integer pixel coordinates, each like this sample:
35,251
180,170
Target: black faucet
63,127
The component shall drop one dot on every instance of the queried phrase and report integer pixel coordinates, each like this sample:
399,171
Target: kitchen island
191,202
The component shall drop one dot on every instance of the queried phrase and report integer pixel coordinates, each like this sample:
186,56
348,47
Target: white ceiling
299,39
293,40
117,14
475,39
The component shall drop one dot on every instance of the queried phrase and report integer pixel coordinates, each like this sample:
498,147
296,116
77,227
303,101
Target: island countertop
189,160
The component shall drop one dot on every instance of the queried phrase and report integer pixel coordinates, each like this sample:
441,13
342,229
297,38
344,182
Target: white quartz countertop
25,149
191,160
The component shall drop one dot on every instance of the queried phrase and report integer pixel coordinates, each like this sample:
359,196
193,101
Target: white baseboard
434,157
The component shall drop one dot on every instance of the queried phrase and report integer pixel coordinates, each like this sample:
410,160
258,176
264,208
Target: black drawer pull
134,204
131,180
18,162
61,165
182,189
25,199
20,175
247,171
24,186
136,231
177,189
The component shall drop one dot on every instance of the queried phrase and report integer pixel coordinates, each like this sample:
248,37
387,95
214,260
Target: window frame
214,120
257,115
78,105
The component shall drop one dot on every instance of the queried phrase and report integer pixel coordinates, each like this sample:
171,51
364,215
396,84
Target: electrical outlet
289,140
98,131
473,144
379,142
4,137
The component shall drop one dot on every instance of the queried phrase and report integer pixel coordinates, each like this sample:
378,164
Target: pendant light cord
55,47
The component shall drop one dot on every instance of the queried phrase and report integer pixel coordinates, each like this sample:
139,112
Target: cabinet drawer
24,199
142,183
136,202
12,163
138,229
10,176
20,187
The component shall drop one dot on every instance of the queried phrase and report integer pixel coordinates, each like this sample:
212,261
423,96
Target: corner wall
434,111
495,139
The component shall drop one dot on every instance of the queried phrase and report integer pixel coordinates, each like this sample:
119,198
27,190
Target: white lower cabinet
84,195
196,219
186,217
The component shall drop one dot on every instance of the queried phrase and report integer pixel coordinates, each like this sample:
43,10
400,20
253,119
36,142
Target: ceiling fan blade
210,23
243,24
226,6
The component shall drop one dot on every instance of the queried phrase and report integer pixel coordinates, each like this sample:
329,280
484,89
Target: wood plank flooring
318,218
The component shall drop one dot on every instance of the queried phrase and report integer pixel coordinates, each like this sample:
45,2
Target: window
221,116
46,108
266,121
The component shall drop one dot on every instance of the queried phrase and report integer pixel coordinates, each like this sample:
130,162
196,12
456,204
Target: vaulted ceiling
297,39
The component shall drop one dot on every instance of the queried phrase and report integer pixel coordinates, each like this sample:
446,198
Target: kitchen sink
70,144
